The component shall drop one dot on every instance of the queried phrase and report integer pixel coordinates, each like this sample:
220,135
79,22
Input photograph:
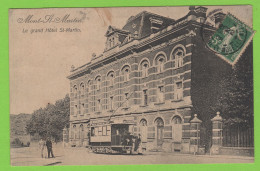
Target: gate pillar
65,136
216,134
195,134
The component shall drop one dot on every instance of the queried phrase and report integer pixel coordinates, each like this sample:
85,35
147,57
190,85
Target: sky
39,62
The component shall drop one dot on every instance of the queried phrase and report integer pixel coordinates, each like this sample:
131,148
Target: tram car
113,137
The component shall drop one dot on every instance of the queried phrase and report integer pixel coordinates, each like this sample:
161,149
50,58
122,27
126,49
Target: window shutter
177,132
151,132
167,132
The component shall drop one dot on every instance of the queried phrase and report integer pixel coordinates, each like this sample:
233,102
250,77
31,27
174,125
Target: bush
17,143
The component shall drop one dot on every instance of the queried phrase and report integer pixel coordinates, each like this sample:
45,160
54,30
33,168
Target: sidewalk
200,155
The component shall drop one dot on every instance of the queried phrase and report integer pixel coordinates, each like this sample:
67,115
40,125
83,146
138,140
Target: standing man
49,147
41,146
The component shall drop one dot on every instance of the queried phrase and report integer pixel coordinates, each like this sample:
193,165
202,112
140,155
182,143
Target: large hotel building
156,72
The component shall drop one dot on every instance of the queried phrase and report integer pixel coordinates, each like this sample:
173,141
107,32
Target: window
160,94
178,91
75,91
108,130
73,132
81,133
98,82
126,99
82,88
113,41
176,120
88,86
177,129
76,109
99,106
82,108
92,131
111,103
111,77
144,68
159,62
96,131
100,131
104,130
178,55
126,73
145,98
143,130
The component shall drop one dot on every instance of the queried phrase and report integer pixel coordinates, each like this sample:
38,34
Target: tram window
108,130
99,131
104,130
92,131
96,131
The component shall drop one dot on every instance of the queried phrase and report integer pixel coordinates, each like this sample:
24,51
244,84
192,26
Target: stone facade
145,74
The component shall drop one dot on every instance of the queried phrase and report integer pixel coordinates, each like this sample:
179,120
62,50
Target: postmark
230,39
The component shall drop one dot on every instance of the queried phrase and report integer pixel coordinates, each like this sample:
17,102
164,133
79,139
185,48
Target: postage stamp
231,39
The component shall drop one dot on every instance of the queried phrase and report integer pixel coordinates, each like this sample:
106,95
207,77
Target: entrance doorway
160,126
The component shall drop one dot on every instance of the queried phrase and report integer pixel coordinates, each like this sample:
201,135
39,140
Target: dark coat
49,144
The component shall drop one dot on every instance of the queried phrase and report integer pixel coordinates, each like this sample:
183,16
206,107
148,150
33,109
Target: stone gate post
65,136
194,134
216,134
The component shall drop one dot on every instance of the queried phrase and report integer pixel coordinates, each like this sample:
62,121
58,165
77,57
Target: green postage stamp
231,39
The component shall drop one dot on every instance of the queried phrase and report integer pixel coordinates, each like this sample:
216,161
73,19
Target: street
30,156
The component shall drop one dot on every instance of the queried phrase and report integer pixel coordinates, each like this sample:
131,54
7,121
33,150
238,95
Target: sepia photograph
131,85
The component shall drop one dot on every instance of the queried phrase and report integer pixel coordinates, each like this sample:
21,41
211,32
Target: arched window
75,90
98,82
176,120
143,130
177,128
88,87
111,78
82,88
73,132
144,68
178,55
81,131
160,127
160,94
159,62
126,72
178,90
159,122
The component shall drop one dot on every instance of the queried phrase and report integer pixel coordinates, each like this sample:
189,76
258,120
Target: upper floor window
111,77
160,94
144,68
159,62
98,82
178,90
126,73
178,55
145,98
126,99
82,88
88,85
82,108
75,90
111,101
99,106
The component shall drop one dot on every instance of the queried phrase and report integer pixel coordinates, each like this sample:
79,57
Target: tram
114,137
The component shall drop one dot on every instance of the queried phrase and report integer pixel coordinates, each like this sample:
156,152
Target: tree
50,121
236,100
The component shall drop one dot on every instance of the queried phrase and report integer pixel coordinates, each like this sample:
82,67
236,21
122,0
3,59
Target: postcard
131,85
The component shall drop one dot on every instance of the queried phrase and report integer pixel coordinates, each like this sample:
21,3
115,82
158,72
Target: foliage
235,102
49,121
18,143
